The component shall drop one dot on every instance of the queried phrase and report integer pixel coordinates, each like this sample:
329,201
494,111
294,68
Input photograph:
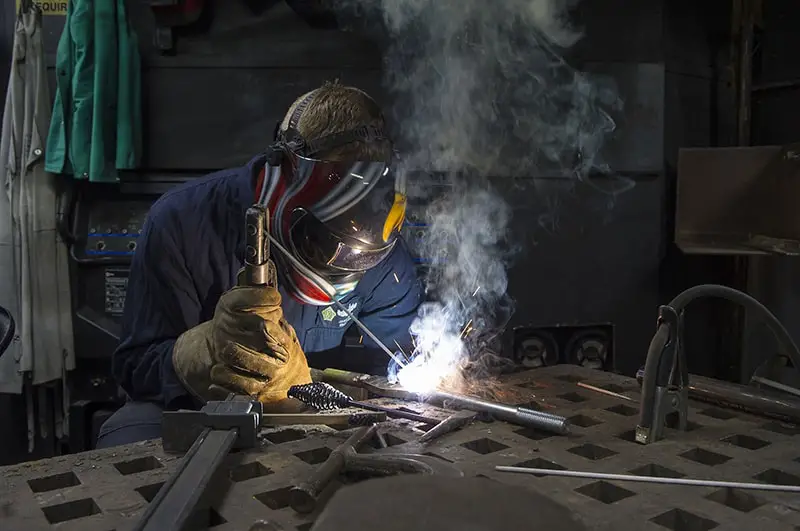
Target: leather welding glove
246,348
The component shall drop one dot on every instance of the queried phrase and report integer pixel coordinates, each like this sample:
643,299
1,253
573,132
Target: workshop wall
775,280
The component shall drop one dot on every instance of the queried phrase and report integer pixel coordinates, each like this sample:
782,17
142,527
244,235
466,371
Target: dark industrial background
213,103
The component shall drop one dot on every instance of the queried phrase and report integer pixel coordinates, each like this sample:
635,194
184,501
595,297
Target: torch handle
257,270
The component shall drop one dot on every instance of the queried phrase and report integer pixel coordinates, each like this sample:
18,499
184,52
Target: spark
467,327
476,291
361,339
396,278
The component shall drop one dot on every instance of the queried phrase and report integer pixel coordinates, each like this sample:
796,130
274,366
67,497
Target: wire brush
322,396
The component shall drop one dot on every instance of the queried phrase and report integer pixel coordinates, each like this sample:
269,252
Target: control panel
114,228
423,190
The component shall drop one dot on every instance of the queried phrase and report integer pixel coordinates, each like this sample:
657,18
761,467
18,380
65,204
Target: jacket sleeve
161,303
392,306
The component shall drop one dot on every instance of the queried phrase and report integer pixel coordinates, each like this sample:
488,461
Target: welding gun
257,270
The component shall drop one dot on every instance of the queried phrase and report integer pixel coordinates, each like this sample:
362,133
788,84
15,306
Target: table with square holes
108,489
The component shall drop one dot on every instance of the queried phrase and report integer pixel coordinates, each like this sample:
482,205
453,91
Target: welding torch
256,270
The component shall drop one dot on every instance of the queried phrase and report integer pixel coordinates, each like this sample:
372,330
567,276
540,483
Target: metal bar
604,391
174,505
776,385
650,479
515,415
372,336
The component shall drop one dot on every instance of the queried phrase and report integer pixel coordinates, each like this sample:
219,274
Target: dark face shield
339,219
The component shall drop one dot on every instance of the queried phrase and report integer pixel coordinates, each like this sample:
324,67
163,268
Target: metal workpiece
345,458
764,402
448,425
380,386
514,414
175,507
111,489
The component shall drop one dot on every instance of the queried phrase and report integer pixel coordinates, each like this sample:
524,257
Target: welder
191,335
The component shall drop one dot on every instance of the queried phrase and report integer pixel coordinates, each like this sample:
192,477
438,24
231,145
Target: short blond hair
336,108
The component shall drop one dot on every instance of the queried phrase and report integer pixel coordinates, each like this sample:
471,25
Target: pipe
650,479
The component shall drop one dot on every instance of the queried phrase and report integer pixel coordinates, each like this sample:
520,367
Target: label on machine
116,284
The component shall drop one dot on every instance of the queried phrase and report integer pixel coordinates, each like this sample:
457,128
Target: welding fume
482,96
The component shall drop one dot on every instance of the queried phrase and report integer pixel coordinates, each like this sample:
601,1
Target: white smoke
479,88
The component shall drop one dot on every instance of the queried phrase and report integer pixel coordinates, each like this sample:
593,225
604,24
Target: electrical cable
663,334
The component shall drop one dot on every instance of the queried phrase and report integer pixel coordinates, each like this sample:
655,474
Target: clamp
665,379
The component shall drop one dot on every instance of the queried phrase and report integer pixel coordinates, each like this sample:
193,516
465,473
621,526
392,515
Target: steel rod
650,479
372,336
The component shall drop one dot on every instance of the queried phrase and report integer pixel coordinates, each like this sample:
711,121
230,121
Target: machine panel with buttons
114,228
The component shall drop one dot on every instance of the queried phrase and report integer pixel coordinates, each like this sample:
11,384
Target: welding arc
322,396
650,479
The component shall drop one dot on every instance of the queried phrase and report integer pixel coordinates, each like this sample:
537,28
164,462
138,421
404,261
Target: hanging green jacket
96,128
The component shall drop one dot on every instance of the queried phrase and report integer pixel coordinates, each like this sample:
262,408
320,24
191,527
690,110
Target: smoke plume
480,89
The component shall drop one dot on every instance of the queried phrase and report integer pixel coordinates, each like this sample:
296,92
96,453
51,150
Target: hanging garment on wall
34,274
97,114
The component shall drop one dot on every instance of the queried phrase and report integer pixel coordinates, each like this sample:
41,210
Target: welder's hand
247,348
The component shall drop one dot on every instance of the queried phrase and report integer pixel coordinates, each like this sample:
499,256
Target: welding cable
678,304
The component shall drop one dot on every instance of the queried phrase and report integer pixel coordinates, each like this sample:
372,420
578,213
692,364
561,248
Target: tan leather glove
247,348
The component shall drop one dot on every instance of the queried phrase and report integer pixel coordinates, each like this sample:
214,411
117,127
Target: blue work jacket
189,254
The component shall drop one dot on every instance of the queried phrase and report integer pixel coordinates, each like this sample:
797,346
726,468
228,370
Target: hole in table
746,441
592,451
314,456
575,398
148,492
538,462
437,456
305,527
656,471
484,446
570,378
705,457
284,436
672,421
583,421
134,466
275,499
54,482
680,520
629,436
778,477
529,385
716,413
781,427
215,519
532,404
622,409
605,492
736,499
249,471
481,476
70,510
393,440
533,434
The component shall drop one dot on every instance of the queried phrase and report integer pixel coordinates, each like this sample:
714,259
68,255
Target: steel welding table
110,489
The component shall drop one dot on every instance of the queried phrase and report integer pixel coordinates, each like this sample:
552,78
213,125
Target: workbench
107,490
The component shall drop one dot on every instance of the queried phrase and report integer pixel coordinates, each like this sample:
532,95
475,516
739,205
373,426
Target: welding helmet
331,220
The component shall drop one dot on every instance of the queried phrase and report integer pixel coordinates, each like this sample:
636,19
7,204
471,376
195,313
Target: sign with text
50,7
